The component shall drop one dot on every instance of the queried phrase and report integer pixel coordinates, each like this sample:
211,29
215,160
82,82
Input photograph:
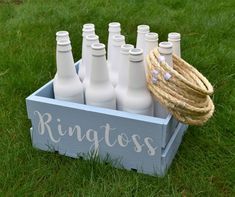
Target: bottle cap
136,55
143,29
151,37
62,35
173,36
125,48
114,27
64,45
165,48
118,40
98,49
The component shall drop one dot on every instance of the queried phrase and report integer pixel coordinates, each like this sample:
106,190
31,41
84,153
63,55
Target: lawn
205,162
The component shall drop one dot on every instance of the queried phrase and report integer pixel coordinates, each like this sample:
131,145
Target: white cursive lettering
107,135
138,146
42,125
123,140
151,150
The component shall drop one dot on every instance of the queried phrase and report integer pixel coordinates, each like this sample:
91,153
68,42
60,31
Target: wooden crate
143,143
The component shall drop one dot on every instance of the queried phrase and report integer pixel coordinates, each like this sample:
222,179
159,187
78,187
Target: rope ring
182,89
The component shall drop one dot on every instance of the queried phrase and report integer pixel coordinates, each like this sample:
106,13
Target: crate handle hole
133,169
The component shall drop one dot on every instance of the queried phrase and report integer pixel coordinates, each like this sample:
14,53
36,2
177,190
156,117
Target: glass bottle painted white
137,98
114,63
141,31
165,49
99,91
174,38
67,85
123,70
90,39
88,29
150,42
114,29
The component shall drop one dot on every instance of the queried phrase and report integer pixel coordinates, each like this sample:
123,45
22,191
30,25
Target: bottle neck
174,38
89,58
62,35
149,45
83,48
88,32
176,48
137,78
99,70
115,57
141,31
111,34
65,64
165,49
168,58
140,40
88,62
84,41
123,70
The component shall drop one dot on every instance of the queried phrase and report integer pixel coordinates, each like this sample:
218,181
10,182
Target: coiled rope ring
182,89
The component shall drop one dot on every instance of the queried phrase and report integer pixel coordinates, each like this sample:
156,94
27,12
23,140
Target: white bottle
99,91
114,61
141,31
67,85
114,29
88,29
137,98
174,38
150,42
165,49
122,84
90,39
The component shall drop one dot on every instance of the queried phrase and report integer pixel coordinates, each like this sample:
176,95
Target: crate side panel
75,132
168,130
47,91
172,147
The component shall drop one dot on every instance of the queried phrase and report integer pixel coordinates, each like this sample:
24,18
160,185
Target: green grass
205,162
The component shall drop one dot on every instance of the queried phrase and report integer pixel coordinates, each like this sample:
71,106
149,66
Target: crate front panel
74,132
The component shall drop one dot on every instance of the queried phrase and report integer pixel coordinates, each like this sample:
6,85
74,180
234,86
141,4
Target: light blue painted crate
143,143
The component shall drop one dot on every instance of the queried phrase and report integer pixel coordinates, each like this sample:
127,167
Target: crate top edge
94,109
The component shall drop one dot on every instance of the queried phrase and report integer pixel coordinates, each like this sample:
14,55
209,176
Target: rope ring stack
182,89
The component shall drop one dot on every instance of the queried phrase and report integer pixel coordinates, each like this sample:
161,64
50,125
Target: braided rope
182,89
